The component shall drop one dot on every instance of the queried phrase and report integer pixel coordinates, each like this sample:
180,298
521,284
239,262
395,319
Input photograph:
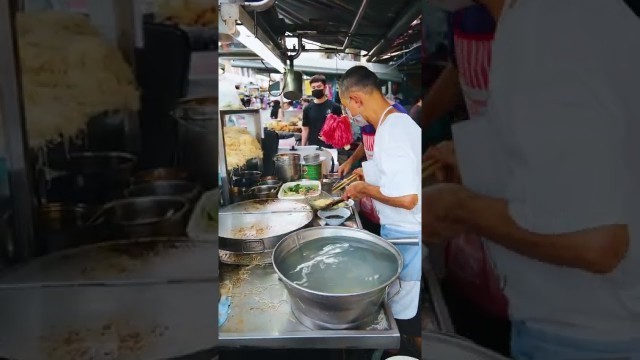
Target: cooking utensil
63,226
344,183
91,177
276,182
256,233
264,191
185,189
198,138
340,214
333,311
160,174
287,166
332,204
120,261
146,216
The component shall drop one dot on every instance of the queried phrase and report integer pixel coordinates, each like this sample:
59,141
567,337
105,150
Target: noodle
240,146
69,74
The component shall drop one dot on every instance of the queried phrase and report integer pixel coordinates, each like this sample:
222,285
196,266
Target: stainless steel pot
145,216
64,226
276,183
187,190
264,192
287,166
333,311
91,177
198,138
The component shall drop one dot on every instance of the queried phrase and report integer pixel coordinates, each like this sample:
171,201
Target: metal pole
15,133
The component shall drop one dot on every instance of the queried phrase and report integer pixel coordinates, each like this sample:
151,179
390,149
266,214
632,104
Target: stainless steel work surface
261,316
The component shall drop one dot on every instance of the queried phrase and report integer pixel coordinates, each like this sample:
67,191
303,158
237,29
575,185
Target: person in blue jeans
393,180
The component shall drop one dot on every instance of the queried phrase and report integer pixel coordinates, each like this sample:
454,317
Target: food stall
95,261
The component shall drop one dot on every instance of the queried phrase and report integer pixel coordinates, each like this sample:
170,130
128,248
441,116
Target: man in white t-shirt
552,177
392,179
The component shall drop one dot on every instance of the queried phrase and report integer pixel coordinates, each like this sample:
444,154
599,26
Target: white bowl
342,212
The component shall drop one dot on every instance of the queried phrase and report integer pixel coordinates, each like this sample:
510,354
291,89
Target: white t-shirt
563,121
397,168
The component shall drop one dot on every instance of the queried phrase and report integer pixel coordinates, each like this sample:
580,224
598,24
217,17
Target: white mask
452,5
358,119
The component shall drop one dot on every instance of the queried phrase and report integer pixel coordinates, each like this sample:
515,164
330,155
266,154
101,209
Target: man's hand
360,174
439,203
344,168
444,154
355,191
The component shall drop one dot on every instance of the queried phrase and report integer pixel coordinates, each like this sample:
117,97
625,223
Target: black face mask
318,93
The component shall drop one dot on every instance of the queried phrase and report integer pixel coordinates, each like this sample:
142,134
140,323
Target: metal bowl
160,174
100,162
146,216
277,183
264,192
184,189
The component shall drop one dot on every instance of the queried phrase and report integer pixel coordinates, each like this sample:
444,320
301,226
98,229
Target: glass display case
245,118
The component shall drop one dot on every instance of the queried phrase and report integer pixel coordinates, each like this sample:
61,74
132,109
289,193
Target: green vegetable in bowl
300,189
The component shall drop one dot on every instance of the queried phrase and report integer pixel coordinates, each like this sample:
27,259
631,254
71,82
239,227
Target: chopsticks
343,183
429,168
332,204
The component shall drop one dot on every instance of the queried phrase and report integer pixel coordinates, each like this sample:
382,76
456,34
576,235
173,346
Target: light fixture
244,36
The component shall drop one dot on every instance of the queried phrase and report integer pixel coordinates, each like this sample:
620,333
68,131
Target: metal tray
261,317
143,322
267,221
200,227
140,260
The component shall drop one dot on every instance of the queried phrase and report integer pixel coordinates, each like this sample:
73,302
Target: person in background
470,285
392,180
287,105
275,109
315,114
562,233
305,103
416,111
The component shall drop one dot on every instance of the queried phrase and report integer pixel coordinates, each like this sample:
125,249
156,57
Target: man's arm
357,155
443,96
305,135
407,202
598,250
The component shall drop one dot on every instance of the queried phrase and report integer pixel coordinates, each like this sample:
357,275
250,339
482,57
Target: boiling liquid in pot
339,265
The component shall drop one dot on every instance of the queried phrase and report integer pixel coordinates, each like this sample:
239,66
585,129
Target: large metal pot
92,177
188,190
333,311
198,138
145,216
287,166
160,174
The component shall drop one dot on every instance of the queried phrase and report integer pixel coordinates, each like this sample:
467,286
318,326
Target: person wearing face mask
315,114
470,285
562,233
368,213
392,180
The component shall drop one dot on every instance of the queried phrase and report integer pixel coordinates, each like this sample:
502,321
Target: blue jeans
529,343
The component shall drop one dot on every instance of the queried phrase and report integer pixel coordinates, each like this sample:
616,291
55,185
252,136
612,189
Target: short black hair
318,79
359,77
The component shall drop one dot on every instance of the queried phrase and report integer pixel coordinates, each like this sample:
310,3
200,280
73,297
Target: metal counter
260,315
435,314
